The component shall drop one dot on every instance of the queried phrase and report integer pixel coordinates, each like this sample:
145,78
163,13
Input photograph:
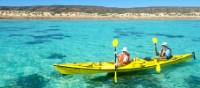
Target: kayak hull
108,67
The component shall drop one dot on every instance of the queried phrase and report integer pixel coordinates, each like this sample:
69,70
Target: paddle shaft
115,43
115,49
115,76
156,50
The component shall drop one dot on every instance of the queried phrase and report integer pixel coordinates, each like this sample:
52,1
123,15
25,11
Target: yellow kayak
108,67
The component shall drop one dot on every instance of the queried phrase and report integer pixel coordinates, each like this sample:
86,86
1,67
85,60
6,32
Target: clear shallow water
29,48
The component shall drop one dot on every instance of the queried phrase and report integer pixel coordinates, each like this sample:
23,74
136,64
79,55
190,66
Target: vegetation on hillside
101,9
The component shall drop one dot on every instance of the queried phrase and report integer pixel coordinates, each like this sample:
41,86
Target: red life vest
121,58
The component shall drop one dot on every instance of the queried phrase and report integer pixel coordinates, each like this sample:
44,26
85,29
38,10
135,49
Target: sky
106,3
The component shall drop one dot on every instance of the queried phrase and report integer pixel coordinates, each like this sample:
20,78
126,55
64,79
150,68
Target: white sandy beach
80,15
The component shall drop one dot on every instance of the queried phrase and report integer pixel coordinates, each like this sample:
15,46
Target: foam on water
29,48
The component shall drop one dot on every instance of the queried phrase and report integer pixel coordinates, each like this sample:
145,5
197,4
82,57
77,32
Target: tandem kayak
109,67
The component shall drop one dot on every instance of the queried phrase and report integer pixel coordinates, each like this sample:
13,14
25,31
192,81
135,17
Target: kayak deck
97,67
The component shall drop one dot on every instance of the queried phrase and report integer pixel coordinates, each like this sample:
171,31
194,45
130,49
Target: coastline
96,12
17,14
106,17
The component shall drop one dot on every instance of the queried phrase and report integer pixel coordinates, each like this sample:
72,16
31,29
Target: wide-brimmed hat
125,49
164,44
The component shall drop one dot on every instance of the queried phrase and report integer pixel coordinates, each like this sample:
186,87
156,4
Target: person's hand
116,64
135,59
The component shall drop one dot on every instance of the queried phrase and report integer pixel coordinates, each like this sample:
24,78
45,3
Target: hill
101,9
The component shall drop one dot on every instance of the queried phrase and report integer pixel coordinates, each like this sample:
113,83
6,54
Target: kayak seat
168,58
147,58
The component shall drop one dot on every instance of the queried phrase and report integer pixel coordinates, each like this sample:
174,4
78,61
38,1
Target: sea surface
30,48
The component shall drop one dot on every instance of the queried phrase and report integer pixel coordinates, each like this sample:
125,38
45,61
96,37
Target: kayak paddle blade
158,69
193,55
115,77
154,40
115,43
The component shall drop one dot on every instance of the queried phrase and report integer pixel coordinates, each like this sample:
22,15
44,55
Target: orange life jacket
121,57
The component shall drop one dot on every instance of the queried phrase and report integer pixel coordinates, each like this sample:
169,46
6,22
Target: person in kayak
123,58
165,52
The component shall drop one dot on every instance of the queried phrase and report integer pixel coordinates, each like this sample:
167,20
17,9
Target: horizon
110,7
104,3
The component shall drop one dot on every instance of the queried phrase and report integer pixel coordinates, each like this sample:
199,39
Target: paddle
155,41
193,55
115,43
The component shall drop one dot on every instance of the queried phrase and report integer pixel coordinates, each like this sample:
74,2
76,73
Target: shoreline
107,17
85,12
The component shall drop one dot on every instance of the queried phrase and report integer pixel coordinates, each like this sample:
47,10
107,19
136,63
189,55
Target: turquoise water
29,48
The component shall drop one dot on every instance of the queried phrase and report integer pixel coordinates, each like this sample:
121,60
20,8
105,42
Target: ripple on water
166,35
47,30
13,29
196,39
57,36
10,30
34,42
48,35
116,36
15,35
196,26
52,36
54,26
139,46
67,36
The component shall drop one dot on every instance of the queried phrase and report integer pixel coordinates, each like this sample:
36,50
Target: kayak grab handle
193,55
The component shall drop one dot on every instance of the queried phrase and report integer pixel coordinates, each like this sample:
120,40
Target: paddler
165,52
123,58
